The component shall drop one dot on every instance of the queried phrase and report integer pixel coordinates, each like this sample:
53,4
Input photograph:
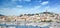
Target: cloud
16,0
40,1
8,4
44,3
15,8
47,7
19,6
11,11
27,0
22,0
35,8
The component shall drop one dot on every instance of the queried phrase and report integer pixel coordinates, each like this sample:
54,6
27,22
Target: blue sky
17,7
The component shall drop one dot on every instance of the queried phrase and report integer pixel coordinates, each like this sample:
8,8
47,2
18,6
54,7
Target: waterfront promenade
29,25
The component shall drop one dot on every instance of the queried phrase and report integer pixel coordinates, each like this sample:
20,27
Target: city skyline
17,7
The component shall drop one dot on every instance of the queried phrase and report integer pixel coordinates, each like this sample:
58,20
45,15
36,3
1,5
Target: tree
21,15
8,19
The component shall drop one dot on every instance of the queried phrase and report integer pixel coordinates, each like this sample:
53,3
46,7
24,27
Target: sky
17,7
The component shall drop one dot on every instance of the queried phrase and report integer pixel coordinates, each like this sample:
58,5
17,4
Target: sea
20,26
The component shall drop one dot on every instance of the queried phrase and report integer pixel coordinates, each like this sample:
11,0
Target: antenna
46,10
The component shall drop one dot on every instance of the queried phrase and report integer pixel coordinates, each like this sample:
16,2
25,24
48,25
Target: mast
46,13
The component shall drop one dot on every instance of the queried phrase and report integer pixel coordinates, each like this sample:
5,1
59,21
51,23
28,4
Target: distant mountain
1,15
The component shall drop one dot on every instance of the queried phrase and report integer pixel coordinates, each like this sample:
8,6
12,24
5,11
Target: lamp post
25,23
